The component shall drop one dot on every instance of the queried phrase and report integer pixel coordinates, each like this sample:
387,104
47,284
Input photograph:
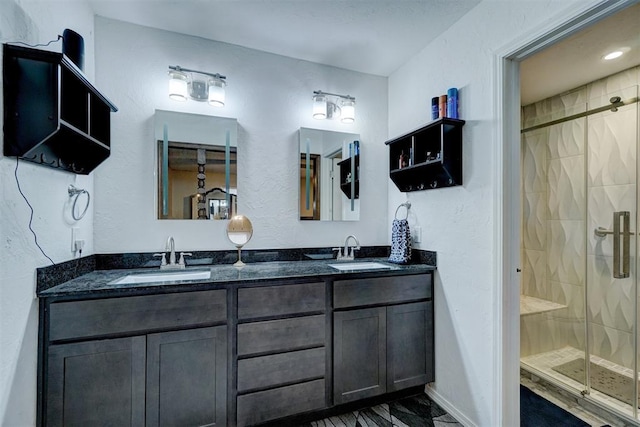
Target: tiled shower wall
575,174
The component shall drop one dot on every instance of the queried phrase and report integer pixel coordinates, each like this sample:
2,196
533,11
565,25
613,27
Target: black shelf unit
53,115
432,156
345,169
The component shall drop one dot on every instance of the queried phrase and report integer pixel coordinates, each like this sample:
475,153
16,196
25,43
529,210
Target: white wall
460,223
46,190
270,95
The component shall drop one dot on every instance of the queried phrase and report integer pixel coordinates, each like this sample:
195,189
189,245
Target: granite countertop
100,281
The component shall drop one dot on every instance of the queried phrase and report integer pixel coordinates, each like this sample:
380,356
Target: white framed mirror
196,166
329,175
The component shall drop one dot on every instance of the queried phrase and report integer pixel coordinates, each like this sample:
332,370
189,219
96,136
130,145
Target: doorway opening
578,314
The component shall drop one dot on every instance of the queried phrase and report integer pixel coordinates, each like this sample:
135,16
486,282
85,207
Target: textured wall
554,205
575,175
270,96
460,223
46,190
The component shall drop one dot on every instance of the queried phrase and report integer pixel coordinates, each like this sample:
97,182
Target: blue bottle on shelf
452,103
434,108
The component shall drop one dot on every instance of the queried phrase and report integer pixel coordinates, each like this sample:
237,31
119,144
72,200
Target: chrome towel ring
407,205
75,193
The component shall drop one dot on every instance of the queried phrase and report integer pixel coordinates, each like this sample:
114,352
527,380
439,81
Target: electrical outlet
79,245
75,235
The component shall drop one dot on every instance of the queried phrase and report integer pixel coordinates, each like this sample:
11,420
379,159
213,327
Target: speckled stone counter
95,274
100,281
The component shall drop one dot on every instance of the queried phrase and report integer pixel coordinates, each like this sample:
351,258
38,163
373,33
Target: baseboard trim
448,406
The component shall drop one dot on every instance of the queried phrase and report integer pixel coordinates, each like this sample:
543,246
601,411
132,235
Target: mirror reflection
196,166
329,175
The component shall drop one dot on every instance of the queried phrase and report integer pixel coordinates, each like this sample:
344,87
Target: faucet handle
339,255
182,255
164,258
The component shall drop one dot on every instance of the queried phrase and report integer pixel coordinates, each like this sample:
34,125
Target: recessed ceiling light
613,55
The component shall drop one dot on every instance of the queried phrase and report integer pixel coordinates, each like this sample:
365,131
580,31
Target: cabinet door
187,378
409,345
359,354
96,383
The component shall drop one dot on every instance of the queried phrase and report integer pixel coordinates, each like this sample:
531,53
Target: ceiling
368,36
376,36
577,60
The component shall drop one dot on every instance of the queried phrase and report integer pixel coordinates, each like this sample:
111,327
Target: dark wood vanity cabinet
187,378
281,348
149,377
359,354
96,383
409,345
282,357
170,378
384,348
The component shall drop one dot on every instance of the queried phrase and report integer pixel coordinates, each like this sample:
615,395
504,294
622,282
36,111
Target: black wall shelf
427,158
53,115
345,170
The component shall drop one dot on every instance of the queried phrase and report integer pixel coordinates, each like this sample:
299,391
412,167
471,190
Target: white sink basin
353,266
162,277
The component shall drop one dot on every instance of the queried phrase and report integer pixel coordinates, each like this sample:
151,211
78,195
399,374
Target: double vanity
216,345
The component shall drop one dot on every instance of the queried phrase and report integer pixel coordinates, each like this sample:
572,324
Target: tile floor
414,411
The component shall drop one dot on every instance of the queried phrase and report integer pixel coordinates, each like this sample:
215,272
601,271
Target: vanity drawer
381,290
280,402
282,368
281,335
281,300
80,319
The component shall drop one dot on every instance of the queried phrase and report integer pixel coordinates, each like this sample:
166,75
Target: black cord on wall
35,237
39,44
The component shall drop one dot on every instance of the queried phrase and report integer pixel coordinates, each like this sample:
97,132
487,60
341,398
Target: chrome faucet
171,248
346,254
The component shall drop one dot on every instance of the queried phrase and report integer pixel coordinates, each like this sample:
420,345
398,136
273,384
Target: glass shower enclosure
579,287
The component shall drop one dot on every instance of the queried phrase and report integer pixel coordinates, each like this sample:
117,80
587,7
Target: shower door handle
621,243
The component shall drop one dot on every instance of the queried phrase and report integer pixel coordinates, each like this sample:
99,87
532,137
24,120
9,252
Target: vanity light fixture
197,85
332,106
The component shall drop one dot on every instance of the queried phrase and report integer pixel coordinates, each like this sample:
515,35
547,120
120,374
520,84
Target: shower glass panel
612,206
579,244
552,322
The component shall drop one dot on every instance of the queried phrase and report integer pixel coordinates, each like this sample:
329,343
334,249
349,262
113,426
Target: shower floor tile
543,363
